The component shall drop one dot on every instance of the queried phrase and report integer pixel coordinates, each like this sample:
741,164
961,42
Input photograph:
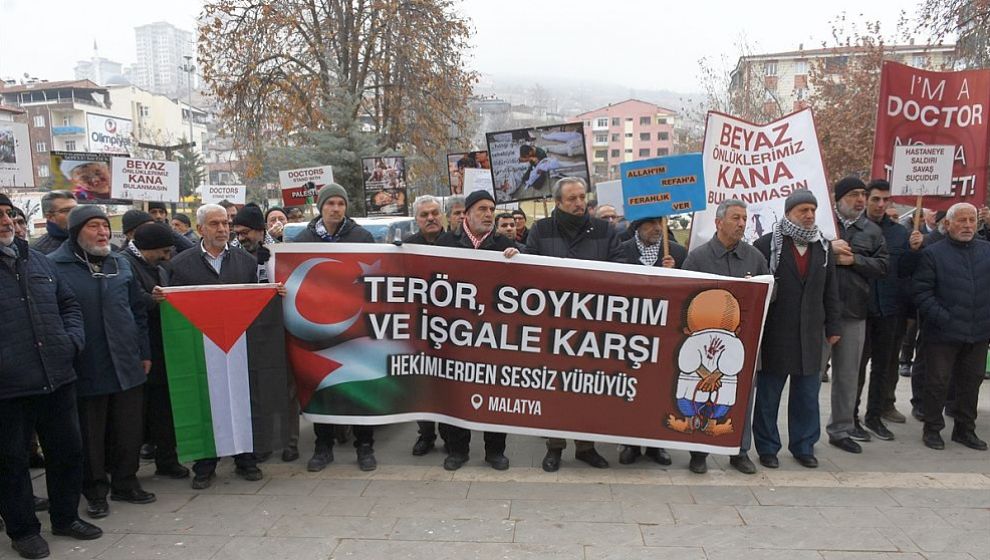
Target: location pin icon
476,401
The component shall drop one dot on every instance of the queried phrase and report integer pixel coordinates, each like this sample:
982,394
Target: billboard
86,174
384,186
526,162
15,156
109,134
458,163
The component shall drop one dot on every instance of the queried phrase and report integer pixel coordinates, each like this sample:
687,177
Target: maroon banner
531,345
925,107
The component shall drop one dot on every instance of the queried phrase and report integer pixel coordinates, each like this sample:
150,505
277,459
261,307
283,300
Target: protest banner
941,108
295,183
215,194
610,193
86,174
226,371
385,186
109,134
144,179
662,358
662,186
761,165
526,162
922,171
478,180
457,163
16,169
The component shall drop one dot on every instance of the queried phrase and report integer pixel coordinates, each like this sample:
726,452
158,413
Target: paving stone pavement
898,500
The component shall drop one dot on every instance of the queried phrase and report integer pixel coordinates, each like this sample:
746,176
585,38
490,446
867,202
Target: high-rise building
161,51
626,131
97,69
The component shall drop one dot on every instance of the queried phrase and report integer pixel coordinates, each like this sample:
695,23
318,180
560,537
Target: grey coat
713,258
870,263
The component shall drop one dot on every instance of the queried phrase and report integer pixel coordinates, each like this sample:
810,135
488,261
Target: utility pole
189,68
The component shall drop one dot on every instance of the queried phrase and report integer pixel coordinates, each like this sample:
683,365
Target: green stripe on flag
187,386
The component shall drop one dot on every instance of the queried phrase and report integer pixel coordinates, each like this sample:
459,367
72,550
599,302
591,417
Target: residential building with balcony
626,131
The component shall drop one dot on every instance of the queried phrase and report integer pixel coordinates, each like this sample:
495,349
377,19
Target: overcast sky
633,43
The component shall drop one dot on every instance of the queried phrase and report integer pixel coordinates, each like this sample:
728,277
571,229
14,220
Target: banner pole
546,213
917,214
666,238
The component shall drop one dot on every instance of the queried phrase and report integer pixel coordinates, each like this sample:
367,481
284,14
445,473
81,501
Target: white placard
15,156
478,180
922,170
215,194
144,179
610,193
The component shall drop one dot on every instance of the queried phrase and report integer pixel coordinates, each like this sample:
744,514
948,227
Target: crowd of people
85,393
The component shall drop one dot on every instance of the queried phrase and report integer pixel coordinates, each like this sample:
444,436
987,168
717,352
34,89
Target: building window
601,138
662,151
70,145
601,154
919,61
770,68
39,121
644,136
615,137
644,152
645,121
662,120
801,67
628,150
145,110
629,135
615,153
615,121
602,122
66,121
629,119
41,147
43,171
663,136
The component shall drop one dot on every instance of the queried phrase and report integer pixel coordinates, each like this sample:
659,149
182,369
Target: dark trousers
161,430
909,342
56,420
458,440
363,435
206,467
881,353
427,430
803,416
943,361
112,429
918,381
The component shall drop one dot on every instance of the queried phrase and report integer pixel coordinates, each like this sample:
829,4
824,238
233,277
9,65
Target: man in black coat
860,256
213,262
153,245
646,247
55,206
805,311
954,305
334,226
43,334
571,233
477,232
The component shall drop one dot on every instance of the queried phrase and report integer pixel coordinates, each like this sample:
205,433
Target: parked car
384,230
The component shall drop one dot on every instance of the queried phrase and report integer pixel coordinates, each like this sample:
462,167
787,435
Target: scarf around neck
475,241
648,254
800,236
569,224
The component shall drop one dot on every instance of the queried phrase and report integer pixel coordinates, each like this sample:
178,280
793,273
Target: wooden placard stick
917,214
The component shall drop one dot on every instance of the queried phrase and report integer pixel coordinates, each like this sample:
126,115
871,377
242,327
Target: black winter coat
148,277
870,263
950,290
190,268
51,240
804,312
598,241
42,327
631,254
348,232
891,294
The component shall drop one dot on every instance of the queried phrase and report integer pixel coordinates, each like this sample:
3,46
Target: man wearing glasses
114,364
56,206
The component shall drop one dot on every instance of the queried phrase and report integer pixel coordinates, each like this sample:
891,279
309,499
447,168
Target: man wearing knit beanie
134,218
114,363
860,258
250,234
332,225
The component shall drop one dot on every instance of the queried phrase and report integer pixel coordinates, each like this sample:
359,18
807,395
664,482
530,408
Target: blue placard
663,186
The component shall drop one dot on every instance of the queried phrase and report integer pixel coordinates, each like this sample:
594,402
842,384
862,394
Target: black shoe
917,414
592,457
698,463
659,455
846,444
904,370
933,440
877,427
175,470
807,461
202,482
132,496
366,458
893,415
290,454
322,457
252,474
423,446
455,461
551,461
263,456
858,433
36,460
79,530
742,463
31,547
969,439
148,452
41,504
98,508
629,454
951,413
770,461
497,460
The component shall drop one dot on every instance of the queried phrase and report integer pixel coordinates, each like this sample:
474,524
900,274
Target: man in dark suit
806,310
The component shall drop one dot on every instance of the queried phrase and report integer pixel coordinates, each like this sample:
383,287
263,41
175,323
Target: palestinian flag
227,378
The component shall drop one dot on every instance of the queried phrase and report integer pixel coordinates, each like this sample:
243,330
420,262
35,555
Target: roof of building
659,108
801,53
9,109
63,84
